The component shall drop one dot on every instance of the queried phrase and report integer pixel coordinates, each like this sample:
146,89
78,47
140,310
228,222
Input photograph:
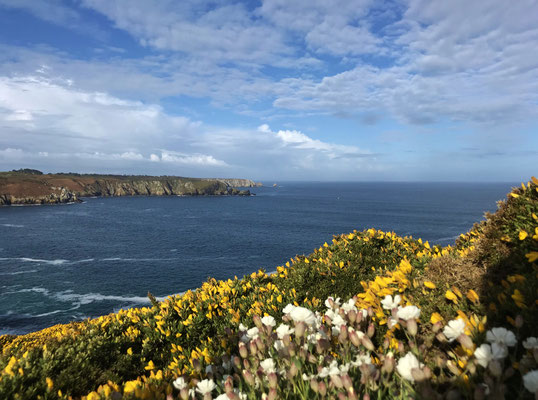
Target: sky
340,90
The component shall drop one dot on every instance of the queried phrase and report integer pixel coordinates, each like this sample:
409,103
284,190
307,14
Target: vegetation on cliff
32,187
369,315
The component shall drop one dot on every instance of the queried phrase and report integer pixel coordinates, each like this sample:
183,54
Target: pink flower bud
346,381
354,338
441,337
352,315
466,341
388,365
371,330
272,379
228,385
418,374
249,378
337,381
314,385
293,370
412,327
300,329
196,365
272,394
257,321
437,327
342,336
243,352
322,388
184,393
366,342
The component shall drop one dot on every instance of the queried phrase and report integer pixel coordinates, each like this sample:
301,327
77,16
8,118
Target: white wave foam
36,260
12,225
83,261
137,259
19,272
87,298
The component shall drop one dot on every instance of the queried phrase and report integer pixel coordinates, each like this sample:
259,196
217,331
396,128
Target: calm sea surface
67,262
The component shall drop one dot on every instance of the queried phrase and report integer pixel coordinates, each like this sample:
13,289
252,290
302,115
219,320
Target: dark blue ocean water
67,262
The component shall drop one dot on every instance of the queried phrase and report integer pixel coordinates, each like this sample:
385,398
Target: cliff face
236,183
21,188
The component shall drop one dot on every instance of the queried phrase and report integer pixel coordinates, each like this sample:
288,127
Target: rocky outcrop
22,188
56,196
236,183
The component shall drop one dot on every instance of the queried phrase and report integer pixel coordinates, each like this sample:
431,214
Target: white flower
268,321
331,313
283,330
349,306
205,386
392,322
499,351
278,345
530,343
332,369
301,314
361,359
406,364
223,396
338,321
388,303
288,308
530,381
253,333
243,327
501,336
483,355
454,328
408,312
328,303
268,365
180,383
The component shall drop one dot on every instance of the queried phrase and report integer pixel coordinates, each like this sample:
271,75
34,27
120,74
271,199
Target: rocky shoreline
21,188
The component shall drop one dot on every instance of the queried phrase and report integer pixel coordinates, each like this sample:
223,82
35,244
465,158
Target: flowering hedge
417,321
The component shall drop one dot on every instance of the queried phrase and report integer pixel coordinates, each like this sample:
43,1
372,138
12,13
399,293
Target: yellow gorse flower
429,285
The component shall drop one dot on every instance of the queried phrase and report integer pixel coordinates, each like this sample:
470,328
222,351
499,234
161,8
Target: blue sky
272,89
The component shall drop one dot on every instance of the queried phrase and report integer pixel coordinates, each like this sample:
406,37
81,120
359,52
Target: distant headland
30,186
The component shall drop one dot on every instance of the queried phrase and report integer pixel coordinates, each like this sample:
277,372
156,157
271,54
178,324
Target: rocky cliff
22,188
236,183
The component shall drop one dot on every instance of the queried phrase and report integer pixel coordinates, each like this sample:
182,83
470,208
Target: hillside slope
32,188
370,315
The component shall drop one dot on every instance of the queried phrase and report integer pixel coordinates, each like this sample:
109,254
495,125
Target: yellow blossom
436,317
473,296
150,366
532,256
451,296
429,285
522,235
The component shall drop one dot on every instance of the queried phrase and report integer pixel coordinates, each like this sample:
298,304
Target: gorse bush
415,321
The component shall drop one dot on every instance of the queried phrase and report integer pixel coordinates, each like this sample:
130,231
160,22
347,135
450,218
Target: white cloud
195,159
218,32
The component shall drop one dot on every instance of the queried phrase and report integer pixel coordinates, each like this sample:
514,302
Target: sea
60,263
